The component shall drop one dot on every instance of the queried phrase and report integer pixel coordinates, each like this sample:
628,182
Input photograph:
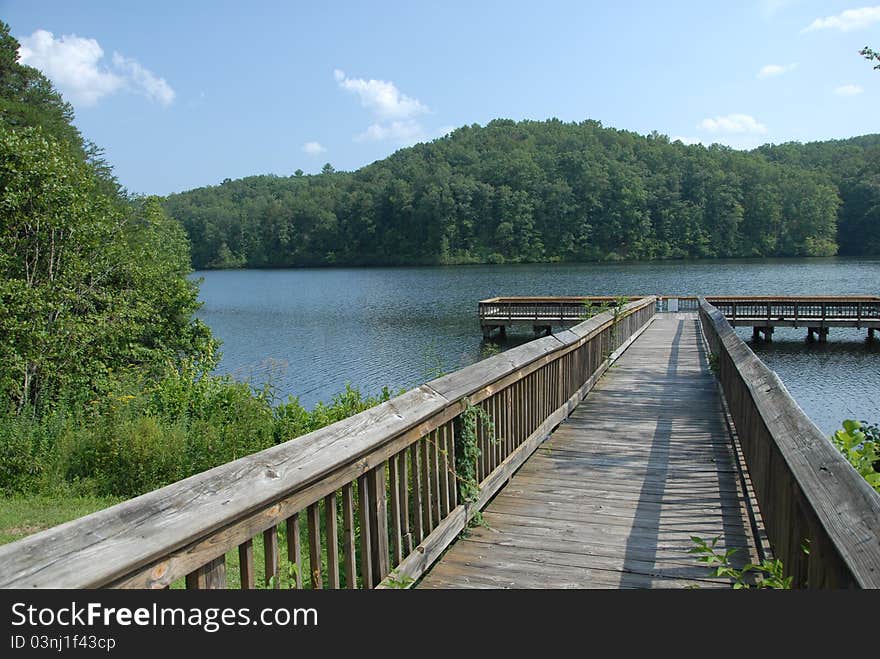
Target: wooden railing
847,311
527,309
821,517
369,501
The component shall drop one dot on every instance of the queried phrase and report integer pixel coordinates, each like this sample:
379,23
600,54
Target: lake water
311,331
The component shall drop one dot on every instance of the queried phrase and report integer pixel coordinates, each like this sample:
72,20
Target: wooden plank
270,551
425,469
396,526
294,549
209,576
379,524
348,537
366,543
445,500
633,498
805,484
313,522
246,565
406,532
331,533
436,475
417,506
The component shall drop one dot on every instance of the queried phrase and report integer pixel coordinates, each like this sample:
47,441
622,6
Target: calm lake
311,331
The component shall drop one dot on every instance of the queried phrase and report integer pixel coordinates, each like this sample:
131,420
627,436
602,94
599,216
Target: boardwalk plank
613,497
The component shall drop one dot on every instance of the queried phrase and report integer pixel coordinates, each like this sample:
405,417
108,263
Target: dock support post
870,334
811,334
823,334
755,334
542,330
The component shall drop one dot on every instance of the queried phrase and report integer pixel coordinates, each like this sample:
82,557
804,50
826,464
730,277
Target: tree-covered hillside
543,191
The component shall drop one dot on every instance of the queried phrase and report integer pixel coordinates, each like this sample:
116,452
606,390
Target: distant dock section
541,313
762,313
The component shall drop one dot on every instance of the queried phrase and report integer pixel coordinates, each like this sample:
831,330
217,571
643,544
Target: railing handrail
818,495
105,547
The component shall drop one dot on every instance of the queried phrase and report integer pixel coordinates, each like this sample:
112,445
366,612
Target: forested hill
546,191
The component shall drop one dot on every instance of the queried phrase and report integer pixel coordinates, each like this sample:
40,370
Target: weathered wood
406,533
270,551
379,523
443,468
804,486
331,533
246,570
209,576
365,526
294,549
396,526
154,539
417,507
348,537
313,521
628,474
424,467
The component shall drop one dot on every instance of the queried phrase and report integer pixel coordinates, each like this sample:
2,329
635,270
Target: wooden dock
612,498
594,454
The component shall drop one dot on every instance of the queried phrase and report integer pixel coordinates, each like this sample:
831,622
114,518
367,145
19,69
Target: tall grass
148,433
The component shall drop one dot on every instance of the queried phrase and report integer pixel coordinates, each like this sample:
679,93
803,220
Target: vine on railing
468,452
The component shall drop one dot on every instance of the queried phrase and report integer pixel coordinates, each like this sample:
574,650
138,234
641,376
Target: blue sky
187,93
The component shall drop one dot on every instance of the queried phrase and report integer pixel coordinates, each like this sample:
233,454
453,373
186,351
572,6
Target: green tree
870,54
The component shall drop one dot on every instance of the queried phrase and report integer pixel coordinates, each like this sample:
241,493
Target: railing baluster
426,486
378,523
246,564
403,483
396,526
210,576
444,470
418,522
331,532
366,545
313,521
294,549
434,468
348,532
270,550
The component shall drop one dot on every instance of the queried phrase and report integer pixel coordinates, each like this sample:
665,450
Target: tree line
546,191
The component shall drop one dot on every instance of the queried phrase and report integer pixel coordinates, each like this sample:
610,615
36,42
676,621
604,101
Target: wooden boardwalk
611,499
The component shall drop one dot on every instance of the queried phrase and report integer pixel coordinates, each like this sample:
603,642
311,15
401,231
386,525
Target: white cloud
772,70
851,19
143,80
72,63
401,132
313,148
381,97
733,123
848,90
75,65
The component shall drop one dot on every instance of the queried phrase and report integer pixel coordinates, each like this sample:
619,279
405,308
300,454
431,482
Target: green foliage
870,54
89,285
859,442
529,191
467,452
145,434
769,574
398,581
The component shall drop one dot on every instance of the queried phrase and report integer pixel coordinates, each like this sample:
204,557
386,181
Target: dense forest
105,374
546,191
